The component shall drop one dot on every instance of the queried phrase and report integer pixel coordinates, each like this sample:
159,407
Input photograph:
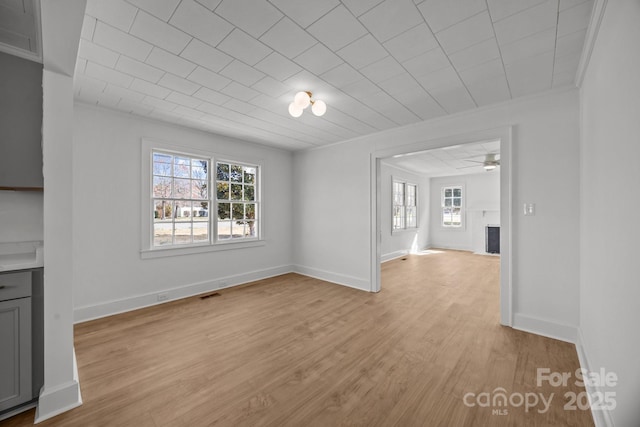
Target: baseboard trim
61,398
601,417
453,248
109,308
393,255
544,327
337,278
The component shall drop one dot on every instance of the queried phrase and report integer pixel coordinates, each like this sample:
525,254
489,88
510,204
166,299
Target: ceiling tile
490,91
150,89
390,108
236,90
567,63
139,69
563,79
530,75
134,107
184,100
200,22
382,70
202,54
441,14
244,47
570,44
444,78
400,83
574,19
362,52
270,86
88,27
305,12
530,21
486,71
466,33
361,89
358,7
178,84
208,78
90,84
159,33
277,66
116,40
160,9
108,75
97,54
529,46
337,28
453,99
411,43
242,73
476,54
164,60
254,17
116,13
567,4
211,96
420,103
390,18
80,65
318,59
500,9
342,75
427,62
209,4
239,106
124,93
189,112
159,103
288,38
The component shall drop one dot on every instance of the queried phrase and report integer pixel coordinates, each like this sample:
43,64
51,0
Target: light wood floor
296,351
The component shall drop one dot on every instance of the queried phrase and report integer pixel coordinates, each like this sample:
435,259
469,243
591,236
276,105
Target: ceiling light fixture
302,100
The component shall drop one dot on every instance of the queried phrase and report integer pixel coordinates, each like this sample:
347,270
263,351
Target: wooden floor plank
296,351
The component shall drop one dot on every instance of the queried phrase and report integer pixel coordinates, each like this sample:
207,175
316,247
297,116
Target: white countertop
21,255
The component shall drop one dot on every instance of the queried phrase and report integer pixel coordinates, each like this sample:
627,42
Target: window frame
453,187
147,248
404,206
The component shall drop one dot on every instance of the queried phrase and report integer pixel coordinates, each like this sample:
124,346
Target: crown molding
590,40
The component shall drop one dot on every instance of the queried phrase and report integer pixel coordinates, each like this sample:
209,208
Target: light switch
529,209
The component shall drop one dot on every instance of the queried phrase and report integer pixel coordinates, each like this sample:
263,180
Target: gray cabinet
20,123
15,340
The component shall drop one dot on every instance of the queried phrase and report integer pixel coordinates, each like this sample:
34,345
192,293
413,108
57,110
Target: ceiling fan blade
473,161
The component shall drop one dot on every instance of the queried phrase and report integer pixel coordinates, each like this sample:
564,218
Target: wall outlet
163,297
529,209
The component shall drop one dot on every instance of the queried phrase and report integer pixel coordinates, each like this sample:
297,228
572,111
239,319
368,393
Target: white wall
610,174
481,208
333,229
21,216
109,273
403,242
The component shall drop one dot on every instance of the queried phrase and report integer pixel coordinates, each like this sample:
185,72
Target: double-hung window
452,206
198,200
405,205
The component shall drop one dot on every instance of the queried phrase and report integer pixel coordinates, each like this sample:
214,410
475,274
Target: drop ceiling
232,67
465,159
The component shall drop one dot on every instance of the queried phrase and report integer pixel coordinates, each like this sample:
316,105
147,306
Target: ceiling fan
490,162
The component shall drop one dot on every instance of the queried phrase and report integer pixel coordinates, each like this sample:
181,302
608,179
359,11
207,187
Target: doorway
503,135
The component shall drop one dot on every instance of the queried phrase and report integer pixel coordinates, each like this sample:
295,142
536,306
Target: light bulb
319,107
294,110
302,100
489,168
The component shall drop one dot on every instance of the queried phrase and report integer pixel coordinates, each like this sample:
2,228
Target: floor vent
215,294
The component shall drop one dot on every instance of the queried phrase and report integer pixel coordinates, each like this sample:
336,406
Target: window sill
173,251
404,230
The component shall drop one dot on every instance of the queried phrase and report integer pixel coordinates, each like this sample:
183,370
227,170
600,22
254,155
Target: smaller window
452,206
405,206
